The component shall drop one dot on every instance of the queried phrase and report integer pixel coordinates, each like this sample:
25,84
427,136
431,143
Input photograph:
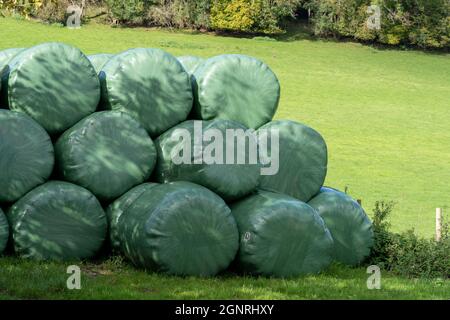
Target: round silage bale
349,225
57,220
99,60
236,87
26,155
4,231
121,205
179,228
149,84
107,152
280,236
302,159
54,83
5,56
190,63
211,169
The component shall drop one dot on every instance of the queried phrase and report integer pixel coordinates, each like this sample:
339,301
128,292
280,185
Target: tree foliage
25,8
265,16
424,23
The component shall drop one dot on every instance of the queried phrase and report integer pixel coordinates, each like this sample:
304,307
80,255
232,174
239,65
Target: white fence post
438,223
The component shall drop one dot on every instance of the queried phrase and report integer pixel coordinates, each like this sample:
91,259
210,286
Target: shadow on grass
303,31
115,278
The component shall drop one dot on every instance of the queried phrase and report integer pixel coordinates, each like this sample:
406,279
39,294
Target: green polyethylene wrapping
230,181
108,153
149,84
302,159
5,56
26,155
121,205
190,63
99,60
57,221
236,87
4,231
349,225
54,83
179,228
280,236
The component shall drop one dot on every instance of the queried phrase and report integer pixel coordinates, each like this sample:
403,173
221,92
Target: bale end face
179,228
236,87
280,236
349,225
303,159
65,85
26,155
57,221
108,153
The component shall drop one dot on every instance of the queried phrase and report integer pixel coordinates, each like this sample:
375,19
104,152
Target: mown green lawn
385,116
114,279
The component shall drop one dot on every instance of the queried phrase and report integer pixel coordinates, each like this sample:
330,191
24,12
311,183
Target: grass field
385,116
113,279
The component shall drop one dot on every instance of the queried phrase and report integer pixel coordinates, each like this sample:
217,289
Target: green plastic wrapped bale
302,159
57,221
230,181
108,153
149,84
280,236
190,63
99,60
26,155
4,231
5,56
349,225
236,87
54,83
121,205
179,228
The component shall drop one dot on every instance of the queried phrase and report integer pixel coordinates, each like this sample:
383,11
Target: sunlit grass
106,280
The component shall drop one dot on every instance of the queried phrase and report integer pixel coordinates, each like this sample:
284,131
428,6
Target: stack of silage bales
86,154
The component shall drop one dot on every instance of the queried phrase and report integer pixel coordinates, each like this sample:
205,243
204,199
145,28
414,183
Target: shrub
180,13
424,23
261,16
235,15
128,11
25,8
405,253
53,11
